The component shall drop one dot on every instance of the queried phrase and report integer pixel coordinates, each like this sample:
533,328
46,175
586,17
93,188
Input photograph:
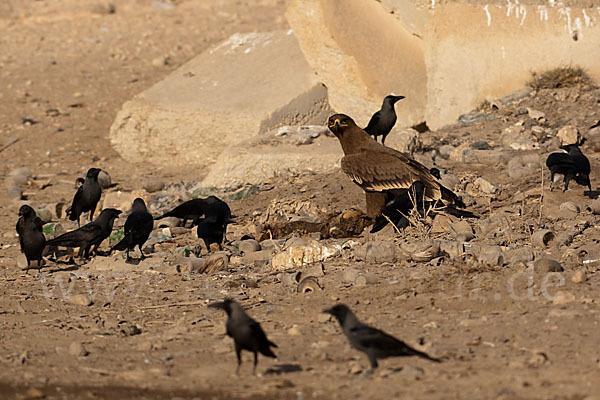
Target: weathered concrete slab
446,58
248,84
363,53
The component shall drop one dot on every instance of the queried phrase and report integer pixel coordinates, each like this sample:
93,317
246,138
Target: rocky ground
511,312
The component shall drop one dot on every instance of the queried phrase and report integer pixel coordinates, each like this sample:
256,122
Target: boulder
250,83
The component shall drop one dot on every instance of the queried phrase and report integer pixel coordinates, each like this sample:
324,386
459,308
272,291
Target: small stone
77,349
249,246
570,206
160,61
350,274
294,331
461,229
45,215
34,394
535,114
104,179
491,256
485,186
21,175
153,185
578,277
322,318
377,251
354,368
81,300
14,193
544,265
569,134
22,261
365,279
563,297
260,256
131,330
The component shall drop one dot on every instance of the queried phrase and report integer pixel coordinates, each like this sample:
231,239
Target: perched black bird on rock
87,196
138,226
31,235
374,343
572,164
195,208
383,121
92,234
245,331
378,169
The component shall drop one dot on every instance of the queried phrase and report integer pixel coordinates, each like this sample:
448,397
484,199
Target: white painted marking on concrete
432,4
565,13
523,12
509,8
586,18
579,26
543,11
489,16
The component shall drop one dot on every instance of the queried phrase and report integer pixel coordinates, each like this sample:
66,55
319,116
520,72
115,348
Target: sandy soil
501,332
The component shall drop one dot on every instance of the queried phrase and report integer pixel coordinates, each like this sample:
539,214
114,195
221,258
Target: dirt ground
502,332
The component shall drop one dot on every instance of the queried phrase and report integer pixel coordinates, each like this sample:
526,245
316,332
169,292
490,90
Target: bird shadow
592,194
283,369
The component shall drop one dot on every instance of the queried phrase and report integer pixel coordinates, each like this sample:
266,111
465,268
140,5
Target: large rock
445,57
249,84
362,53
255,160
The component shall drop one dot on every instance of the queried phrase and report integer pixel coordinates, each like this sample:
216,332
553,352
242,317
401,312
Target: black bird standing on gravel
92,234
383,121
398,208
138,226
212,230
87,196
31,235
572,164
245,331
195,208
373,342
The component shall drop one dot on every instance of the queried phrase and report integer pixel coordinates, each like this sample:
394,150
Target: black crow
91,234
195,208
31,235
572,164
374,343
245,331
87,197
138,226
383,121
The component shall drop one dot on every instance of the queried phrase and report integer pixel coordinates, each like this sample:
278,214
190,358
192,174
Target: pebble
81,300
570,206
153,185
14,193
578,277
294,331
545,264
491,256
569,134
77,349
485,186
249,246
34,394
377,251
45,215
350,274
22,261
104,179
563,297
